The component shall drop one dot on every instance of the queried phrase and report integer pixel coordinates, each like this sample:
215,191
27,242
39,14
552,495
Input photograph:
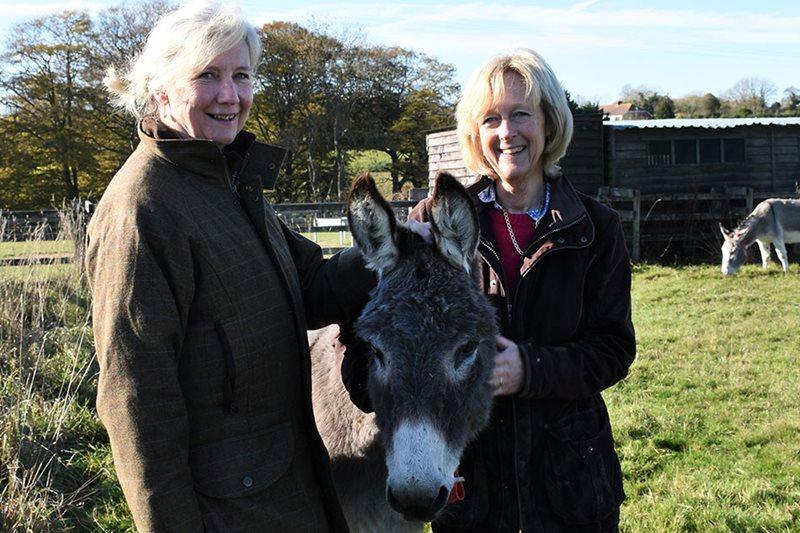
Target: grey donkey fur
775,221
432,333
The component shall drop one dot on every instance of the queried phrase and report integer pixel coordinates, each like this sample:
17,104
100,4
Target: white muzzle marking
419,459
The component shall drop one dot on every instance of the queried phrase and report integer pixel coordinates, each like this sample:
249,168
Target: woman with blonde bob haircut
202,298
541,89
554,263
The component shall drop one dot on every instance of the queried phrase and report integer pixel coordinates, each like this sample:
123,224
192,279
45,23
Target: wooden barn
702,155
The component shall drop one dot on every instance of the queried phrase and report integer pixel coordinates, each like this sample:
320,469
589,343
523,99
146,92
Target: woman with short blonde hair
541,89
554,263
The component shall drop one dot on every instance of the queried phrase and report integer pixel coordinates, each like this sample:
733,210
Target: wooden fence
666,227
312,218
680,226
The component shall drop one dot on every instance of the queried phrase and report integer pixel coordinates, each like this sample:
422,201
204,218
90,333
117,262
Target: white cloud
744,27
582,6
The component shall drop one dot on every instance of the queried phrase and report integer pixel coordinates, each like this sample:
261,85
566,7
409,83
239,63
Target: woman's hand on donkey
508,373
423,229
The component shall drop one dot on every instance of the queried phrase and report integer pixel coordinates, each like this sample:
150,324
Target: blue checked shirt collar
489,196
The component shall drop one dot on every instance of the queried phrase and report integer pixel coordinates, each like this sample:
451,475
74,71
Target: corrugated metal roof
703,122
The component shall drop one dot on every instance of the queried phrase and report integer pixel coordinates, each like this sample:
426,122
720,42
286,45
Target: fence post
635,231
610,194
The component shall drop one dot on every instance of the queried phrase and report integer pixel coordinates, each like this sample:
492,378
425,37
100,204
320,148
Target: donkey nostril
441,499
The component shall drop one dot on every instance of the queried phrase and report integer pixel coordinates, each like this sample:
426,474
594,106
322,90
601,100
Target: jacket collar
566,206
262,162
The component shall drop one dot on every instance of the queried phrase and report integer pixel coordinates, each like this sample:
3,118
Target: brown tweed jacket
201,301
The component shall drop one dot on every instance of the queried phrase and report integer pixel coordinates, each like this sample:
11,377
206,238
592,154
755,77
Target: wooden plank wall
444,154
583,163
772,160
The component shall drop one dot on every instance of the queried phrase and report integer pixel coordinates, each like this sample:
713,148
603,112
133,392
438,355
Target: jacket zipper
510,303
516,289
232,177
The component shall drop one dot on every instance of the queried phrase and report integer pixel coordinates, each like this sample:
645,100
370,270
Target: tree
119,34
410,94
657,104
751,96
710,105
323,96
663,107
791,99
288,108
45,93
581,105
52,91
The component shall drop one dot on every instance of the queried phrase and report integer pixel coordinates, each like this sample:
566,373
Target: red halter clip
457,493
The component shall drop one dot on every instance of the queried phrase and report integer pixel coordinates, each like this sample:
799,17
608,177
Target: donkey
775,221
432,336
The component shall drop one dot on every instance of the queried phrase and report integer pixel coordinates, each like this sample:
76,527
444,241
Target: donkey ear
373,224
726,233
454,221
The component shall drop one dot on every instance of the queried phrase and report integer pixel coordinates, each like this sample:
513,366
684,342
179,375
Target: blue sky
595,46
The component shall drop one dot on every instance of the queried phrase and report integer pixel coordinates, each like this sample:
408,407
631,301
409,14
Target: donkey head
734,250
432,334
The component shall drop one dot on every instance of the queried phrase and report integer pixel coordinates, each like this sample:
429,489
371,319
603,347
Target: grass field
707,423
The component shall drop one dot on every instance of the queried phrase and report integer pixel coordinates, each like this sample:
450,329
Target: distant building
623,111
680,155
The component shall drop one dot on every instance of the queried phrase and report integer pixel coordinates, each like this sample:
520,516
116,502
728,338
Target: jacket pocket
242,465
582,477
229,381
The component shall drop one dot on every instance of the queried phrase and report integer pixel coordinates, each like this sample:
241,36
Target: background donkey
432,334
775,221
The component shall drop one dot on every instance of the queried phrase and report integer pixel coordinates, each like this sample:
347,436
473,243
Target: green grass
707,423
329,239
368,161
27,248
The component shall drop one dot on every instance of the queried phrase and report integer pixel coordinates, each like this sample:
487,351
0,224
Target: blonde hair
486,87
181,43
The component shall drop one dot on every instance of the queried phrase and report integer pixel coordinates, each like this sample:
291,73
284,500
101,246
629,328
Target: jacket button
247,481
584,239
272,166
590,450
560,240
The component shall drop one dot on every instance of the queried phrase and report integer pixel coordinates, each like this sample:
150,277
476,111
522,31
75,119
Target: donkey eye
466,354
377,355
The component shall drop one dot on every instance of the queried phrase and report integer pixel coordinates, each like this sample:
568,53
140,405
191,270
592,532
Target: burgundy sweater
525,232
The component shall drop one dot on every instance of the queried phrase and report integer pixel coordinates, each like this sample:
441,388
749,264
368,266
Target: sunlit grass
708,422
35,247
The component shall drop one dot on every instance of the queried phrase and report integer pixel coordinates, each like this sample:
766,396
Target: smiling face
512,134
213,103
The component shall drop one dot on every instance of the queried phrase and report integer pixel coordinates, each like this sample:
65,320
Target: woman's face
512,134
214,103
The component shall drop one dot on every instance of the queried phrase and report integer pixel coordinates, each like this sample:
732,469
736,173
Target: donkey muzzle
415,503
